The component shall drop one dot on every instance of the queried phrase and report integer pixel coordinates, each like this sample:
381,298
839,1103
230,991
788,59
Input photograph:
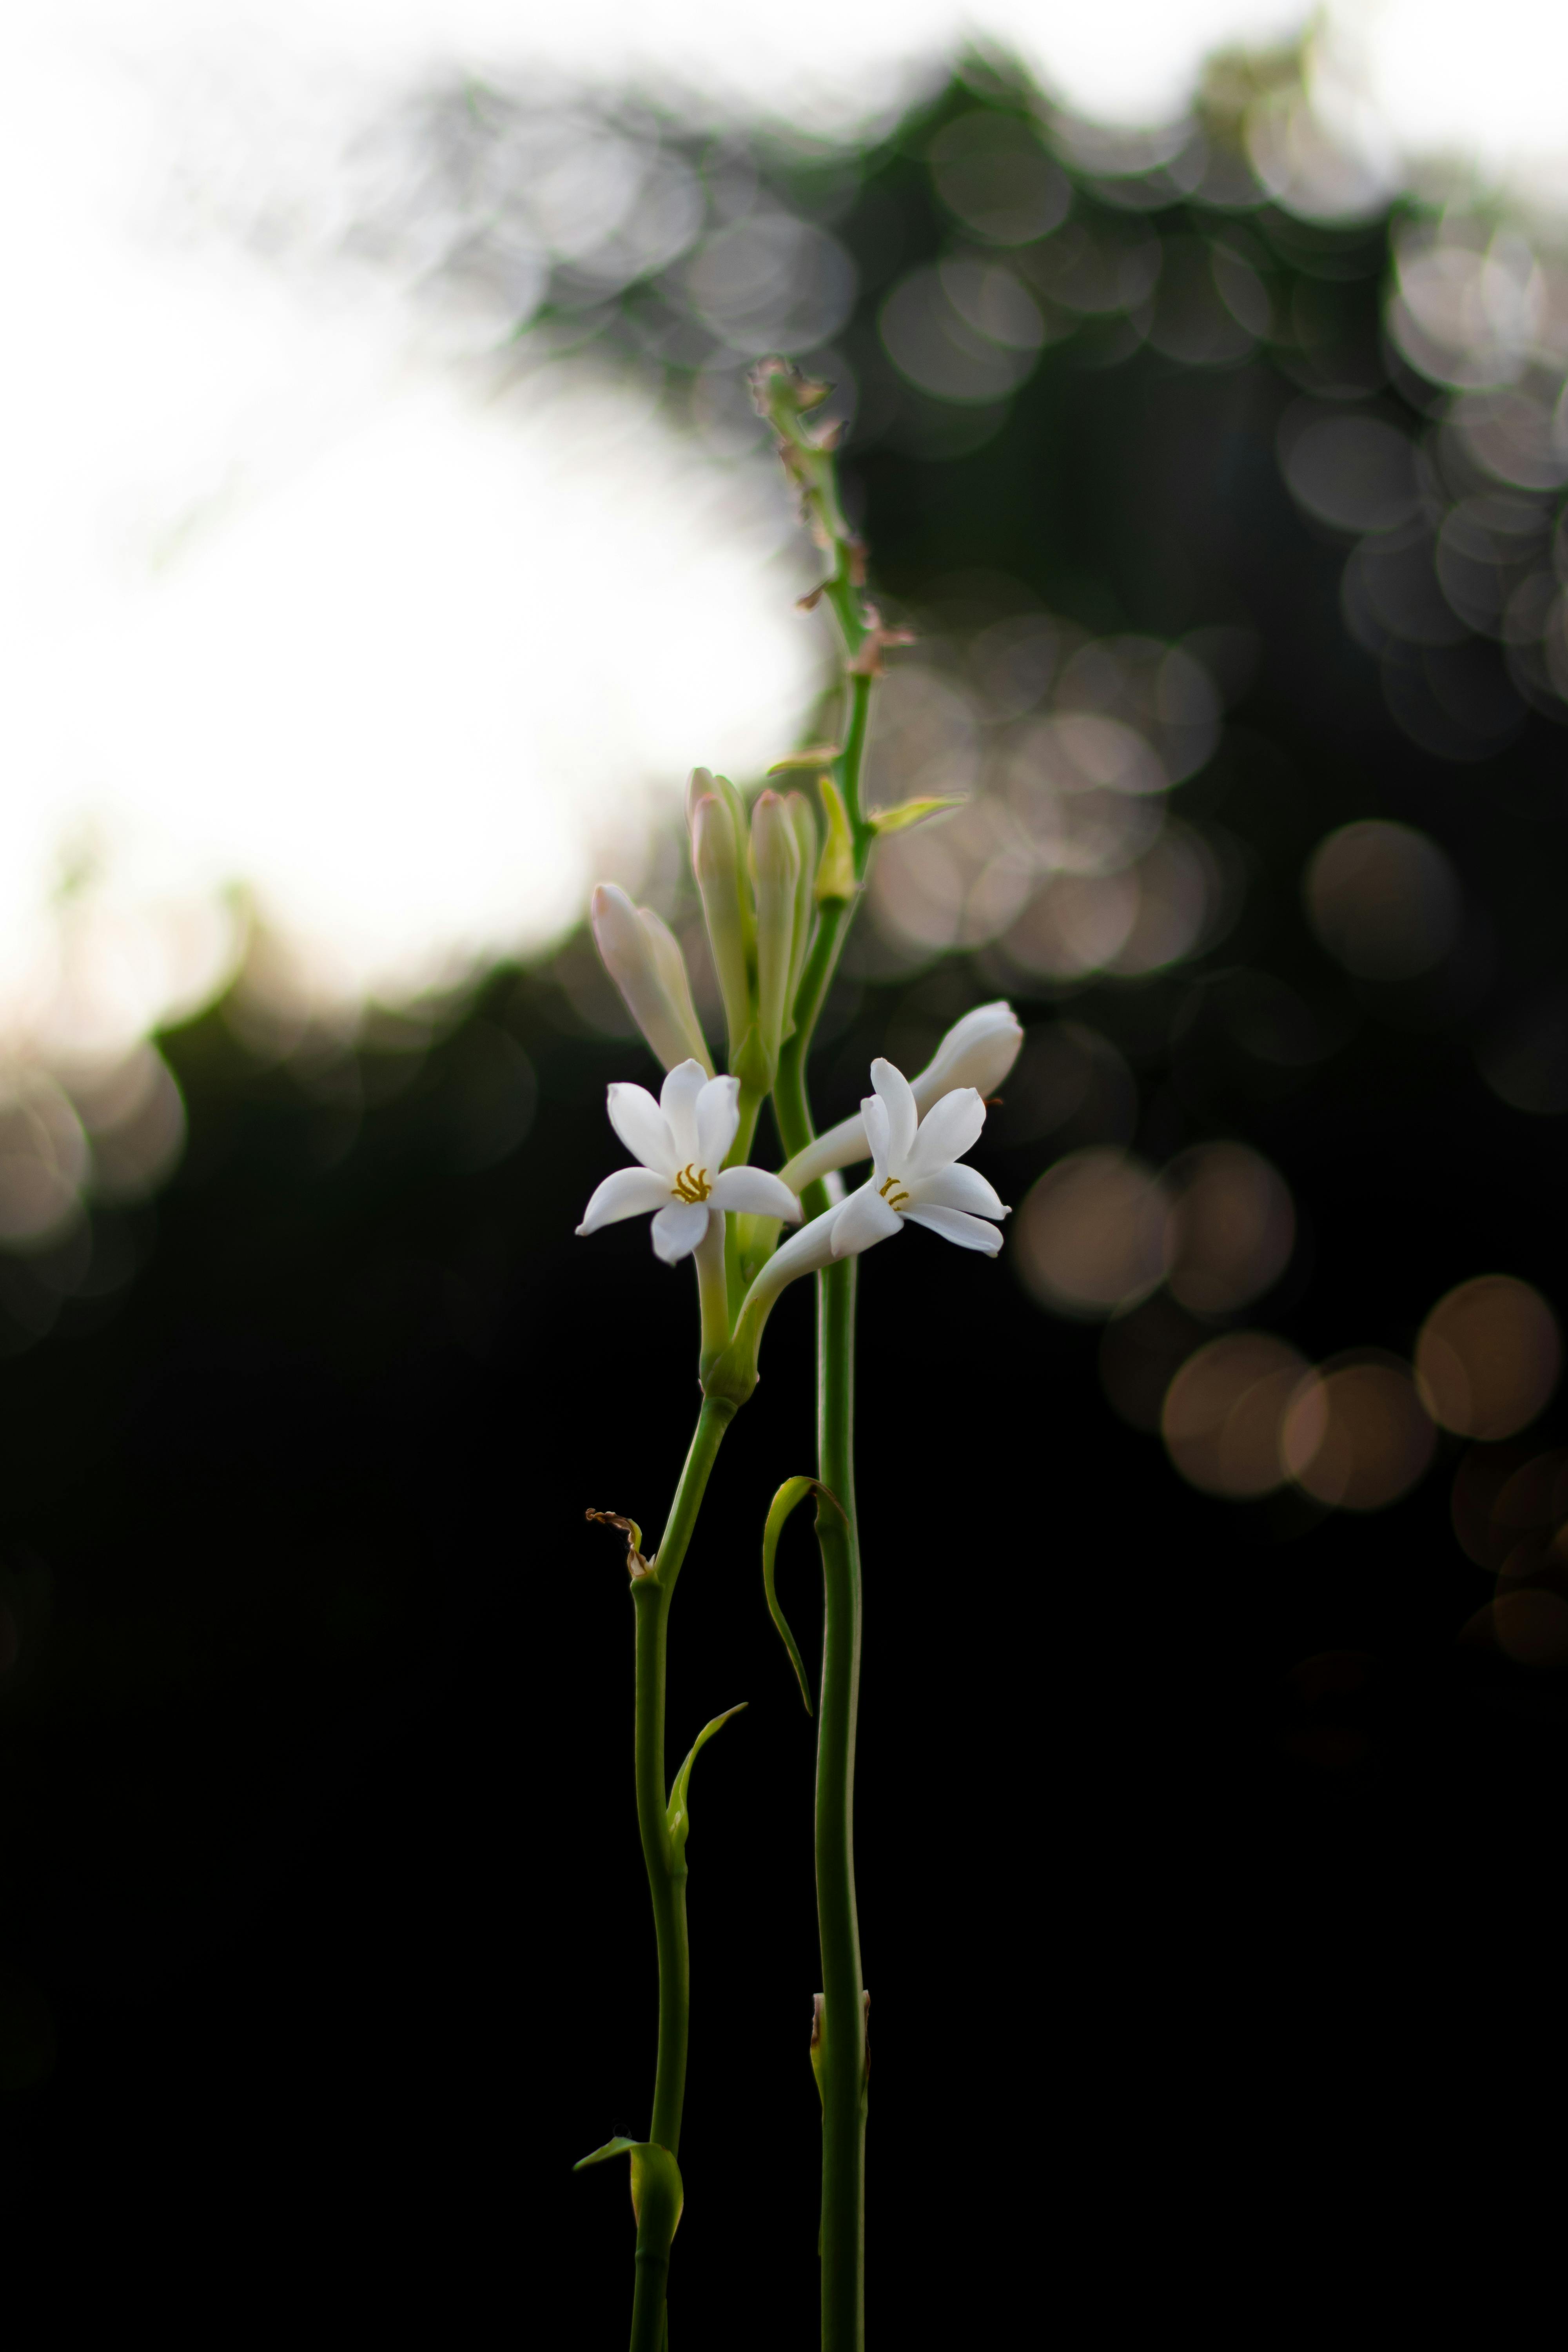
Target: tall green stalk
841,2057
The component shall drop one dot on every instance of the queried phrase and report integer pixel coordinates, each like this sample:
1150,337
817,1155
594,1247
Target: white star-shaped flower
915,1172
682,1181
915,1178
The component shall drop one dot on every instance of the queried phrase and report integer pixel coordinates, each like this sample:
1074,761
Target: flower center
691,1185
893,1192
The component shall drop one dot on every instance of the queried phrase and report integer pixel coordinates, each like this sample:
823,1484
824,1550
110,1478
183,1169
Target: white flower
915,1178
977,1052
682,1182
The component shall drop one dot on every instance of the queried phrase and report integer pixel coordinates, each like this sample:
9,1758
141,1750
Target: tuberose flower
915,1178
977,1053
682,1182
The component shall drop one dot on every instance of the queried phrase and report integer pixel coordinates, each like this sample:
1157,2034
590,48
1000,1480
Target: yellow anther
691,1185
898,1196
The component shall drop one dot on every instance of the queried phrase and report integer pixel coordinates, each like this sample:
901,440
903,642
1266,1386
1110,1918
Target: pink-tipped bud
775,856
646,963
715,861
977,1052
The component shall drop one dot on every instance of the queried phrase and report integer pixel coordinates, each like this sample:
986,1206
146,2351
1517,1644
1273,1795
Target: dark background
319,1873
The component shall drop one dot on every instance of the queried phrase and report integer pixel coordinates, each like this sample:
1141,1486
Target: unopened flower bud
647,965
716,860
803,819
977,1052
776,856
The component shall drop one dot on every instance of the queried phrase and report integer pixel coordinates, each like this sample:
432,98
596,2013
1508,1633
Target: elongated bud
716,860
776,855
977,1052
803,819
647,965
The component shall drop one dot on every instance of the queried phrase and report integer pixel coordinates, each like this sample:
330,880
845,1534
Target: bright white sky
283,607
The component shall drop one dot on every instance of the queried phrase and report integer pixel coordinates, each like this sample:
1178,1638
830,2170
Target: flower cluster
915,1136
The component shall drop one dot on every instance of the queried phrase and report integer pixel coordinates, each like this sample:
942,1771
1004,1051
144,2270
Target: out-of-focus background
388,532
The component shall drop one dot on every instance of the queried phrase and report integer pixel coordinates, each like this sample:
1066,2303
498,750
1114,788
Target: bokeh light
1225,1411
1233,1226
1531,1627
43,1161
1064,858
1488,1356
1384,899
1356,1436
1487,1527
1091,1235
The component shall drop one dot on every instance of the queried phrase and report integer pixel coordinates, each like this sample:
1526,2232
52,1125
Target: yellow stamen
692,1186
898,1197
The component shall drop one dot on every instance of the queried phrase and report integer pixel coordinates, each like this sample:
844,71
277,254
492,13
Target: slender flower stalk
779,888
785,402
680,1143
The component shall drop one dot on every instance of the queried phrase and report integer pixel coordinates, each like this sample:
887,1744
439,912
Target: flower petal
678,1101
643,1128
718,1117
629,1192
864,1219
948,1130
754,1191
957,1188
902,1115
873,1118
969,1233
678,1229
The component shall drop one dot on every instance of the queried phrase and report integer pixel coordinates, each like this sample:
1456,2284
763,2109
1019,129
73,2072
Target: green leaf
908,813
678,1818
658,2196
611,2147
836,874
790,1496
812,757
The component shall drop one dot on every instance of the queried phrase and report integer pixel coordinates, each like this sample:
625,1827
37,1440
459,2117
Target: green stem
649,2321
843,2047
651,1596
712,1292
843,2054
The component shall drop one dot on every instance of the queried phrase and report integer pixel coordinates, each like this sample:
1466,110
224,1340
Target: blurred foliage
293,1501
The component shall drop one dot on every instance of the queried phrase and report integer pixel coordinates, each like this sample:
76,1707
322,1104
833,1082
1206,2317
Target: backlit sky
286,606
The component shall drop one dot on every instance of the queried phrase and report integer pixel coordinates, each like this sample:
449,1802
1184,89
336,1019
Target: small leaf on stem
790,1496
906,813
835,874
812,757
636,1564
679,1818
